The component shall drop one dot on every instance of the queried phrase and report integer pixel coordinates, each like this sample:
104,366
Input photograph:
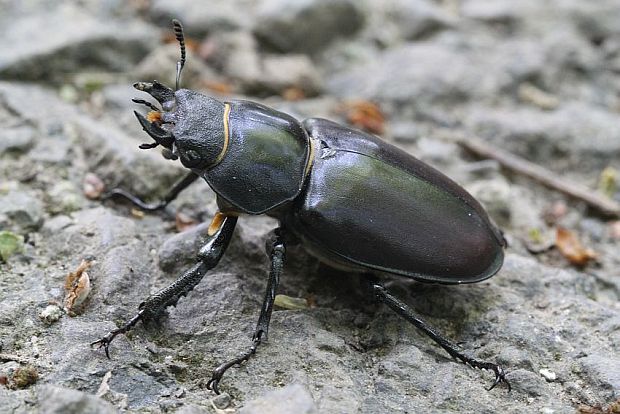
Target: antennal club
178,33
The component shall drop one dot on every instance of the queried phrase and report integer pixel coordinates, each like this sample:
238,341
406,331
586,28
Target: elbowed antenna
178,33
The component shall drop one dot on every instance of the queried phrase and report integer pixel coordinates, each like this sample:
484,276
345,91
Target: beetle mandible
352,200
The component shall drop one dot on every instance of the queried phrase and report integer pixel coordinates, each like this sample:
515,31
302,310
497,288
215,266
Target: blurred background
536,80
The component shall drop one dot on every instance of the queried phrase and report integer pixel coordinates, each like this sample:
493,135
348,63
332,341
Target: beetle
352,200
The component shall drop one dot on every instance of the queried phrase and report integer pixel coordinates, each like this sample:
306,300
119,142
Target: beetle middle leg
382,294
209,256
276,250
176,189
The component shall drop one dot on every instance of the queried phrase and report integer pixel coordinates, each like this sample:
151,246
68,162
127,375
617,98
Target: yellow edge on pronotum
220,157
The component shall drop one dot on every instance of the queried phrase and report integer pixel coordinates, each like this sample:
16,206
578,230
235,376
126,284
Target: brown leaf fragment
571,248
77,286
293,93
364,115
222,88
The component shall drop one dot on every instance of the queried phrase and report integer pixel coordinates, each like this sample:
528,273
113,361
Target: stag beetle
353,201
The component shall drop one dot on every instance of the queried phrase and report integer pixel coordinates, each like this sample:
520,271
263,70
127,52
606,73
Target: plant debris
571,248
291,303
10,243
77,286
23,377
364,115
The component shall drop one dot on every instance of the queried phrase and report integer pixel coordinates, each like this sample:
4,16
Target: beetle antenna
178,33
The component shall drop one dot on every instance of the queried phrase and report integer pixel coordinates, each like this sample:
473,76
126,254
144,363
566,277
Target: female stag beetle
352,200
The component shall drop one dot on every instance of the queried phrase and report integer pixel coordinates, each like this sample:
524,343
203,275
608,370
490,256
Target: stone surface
57,40
465,73
306,25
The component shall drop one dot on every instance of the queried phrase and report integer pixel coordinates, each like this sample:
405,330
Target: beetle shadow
458,312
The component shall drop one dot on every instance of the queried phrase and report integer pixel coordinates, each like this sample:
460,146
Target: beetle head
189,126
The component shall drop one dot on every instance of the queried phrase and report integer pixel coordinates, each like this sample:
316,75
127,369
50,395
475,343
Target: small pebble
222,401
547,374
51,314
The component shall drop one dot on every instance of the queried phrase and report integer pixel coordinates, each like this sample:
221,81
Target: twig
521,166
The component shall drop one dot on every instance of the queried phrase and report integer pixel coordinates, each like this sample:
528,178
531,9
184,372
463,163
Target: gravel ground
539,79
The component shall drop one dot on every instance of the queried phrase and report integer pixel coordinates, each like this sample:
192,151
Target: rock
179,251
57,400
105,145
17,140
604,371
23,211
293,398
64,197
396,20
582,135
548,375
290,71
198,20
64,39
222,401
160,64
306,26
238,55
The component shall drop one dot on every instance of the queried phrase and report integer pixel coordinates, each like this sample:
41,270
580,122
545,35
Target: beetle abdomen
372,205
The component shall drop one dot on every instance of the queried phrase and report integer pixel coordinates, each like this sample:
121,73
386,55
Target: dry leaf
365,115
291,303
77,285
139,214
222,88
294,93
567,243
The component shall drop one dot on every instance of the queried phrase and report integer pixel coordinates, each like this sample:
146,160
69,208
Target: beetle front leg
176,189
220,233
405,311
276,250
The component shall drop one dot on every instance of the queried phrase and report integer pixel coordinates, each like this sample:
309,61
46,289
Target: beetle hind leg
276,250
402,309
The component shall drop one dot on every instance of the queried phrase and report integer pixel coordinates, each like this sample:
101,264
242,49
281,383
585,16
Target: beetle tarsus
500,374
109,337
218,372
382,294
276,251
